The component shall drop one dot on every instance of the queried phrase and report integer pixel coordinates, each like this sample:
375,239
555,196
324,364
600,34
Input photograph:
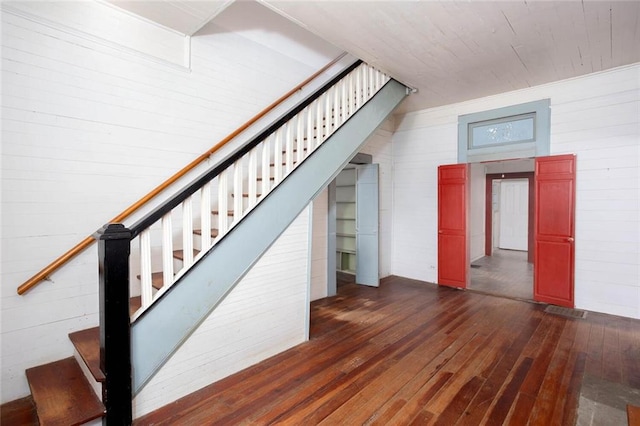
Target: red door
555,192
453,247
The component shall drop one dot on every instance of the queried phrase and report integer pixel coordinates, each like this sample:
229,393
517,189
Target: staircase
177,246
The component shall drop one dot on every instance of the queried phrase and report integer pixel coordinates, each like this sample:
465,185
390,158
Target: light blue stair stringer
162,329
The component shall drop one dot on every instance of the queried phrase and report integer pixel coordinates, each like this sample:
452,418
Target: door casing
488,224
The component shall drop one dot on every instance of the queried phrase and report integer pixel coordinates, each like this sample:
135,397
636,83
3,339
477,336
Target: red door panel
453,247
554,229
552,269
452,264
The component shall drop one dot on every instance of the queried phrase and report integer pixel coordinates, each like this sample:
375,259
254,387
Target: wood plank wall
88,128
595,117
266,313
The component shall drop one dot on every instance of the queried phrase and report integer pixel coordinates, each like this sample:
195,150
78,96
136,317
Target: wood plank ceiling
453,51
184,16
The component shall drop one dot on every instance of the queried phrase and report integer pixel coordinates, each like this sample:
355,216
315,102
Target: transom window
502,131
512,132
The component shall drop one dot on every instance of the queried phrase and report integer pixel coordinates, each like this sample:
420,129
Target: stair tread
633,415
295,150
214,232
19,412
62,394
157,279
229,212
179,254
134,304
246,195
87,343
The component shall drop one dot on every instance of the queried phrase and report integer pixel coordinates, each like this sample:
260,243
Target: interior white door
514,214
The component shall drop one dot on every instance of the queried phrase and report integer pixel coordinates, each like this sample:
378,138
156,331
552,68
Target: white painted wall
596,117
266,313
88,127
96,21
319,241
379,146
477,192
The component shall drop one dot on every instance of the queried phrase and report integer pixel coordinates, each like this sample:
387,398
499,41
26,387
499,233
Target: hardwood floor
411,353
505,273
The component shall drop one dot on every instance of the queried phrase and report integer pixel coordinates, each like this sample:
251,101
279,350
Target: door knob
570,239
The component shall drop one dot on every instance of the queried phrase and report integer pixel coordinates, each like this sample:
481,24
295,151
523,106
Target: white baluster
277,157
187,233
319,120
368,82
343,101
358,87
167,250
289,143
337,95
365,84
373,81
205,217
266,169
352,93
146,294
223,200
333,110
310,131
237,190
300,135
252,179
328,120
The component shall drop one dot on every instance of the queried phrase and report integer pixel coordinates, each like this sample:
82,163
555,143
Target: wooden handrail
56,264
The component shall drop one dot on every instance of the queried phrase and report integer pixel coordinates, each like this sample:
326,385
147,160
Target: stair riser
95,385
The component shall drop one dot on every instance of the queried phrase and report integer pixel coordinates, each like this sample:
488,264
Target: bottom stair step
134,304
19,412
87,343
62,394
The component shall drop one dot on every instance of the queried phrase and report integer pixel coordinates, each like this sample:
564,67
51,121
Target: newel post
115,335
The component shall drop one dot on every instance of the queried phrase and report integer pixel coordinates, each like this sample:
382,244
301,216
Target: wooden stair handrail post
78,248
114,247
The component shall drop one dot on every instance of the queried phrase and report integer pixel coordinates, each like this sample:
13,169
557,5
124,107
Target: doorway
553,226
353,224
502,198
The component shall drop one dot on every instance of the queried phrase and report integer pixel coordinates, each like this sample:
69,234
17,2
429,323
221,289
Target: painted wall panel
96,21
89,125
380,148
265,314
319,247
596,117
477,211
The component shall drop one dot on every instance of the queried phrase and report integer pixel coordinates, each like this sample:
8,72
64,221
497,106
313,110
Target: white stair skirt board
160,331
